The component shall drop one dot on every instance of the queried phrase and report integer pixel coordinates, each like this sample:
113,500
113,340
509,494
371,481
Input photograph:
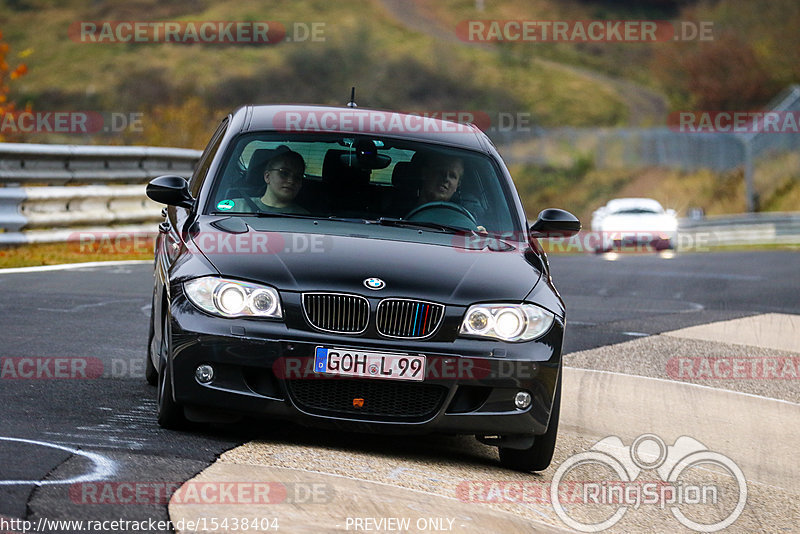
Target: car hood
317,262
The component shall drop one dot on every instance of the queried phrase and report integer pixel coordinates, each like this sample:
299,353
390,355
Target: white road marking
65,266
81,307
103,469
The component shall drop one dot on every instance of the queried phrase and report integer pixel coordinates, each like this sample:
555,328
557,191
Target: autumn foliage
7,74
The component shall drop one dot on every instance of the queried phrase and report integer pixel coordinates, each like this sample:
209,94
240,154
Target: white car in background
634,222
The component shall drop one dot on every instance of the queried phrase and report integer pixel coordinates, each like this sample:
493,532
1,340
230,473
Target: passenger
283,178
283,175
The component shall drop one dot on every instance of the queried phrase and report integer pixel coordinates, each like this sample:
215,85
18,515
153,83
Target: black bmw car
360,270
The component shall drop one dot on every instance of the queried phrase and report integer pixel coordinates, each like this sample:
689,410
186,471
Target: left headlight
232,298
508,322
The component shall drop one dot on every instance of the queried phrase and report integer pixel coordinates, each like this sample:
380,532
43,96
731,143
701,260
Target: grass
584,190
58,253
391,66
577,186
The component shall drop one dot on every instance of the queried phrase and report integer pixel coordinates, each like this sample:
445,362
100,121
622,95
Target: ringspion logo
683,483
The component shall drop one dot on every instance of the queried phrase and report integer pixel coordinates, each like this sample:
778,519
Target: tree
724,74
7,105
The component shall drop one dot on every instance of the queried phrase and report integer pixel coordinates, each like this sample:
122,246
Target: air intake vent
384,399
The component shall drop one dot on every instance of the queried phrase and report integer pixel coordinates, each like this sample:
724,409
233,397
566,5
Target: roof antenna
352,103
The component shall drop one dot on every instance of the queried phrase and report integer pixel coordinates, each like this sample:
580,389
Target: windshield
364,179
636,211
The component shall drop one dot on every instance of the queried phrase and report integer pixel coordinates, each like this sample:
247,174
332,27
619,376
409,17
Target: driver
441,176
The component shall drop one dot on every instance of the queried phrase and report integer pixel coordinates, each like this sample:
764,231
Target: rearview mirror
554,222
171,190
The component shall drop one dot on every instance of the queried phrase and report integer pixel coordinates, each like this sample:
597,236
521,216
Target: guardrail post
11,219
749,181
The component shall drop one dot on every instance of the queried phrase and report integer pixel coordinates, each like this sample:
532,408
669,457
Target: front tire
150,371
539,455
170,413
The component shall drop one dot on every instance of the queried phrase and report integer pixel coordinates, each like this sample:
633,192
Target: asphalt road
96,318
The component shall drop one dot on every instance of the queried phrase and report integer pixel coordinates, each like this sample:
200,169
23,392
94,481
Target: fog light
204,373
522,400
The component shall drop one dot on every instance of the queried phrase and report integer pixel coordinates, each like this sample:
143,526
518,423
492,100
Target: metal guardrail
774,228
108,183
22,163
47,189
627,148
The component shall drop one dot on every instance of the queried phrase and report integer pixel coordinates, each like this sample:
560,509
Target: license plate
364,364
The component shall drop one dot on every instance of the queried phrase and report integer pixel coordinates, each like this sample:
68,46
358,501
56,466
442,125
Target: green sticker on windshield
225,205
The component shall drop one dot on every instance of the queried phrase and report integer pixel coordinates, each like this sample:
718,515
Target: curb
343,500
758,433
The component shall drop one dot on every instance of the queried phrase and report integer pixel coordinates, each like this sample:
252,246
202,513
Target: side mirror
554,222
171,190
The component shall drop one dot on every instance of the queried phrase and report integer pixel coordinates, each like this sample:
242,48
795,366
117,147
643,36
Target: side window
205,160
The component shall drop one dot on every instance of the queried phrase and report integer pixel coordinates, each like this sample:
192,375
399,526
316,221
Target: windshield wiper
267,214
403,223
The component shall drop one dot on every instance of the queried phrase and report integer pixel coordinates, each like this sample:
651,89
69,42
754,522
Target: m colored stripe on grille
408,318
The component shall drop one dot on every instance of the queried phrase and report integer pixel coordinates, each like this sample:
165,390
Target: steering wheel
442,206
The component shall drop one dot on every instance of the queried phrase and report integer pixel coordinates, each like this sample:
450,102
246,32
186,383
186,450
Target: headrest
404,176
407,175
336,172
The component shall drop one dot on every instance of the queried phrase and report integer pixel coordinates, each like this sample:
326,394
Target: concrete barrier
758,433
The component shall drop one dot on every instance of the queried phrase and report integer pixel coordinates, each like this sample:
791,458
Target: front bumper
656,240
265,368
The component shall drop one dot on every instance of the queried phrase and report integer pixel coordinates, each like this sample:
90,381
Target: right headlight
232,298
507,322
